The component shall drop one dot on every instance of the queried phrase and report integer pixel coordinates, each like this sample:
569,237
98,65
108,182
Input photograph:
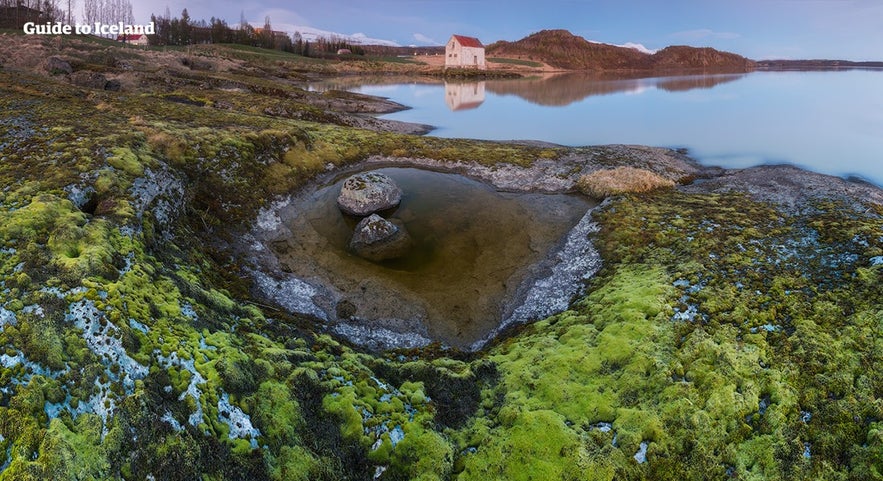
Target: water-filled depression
472,249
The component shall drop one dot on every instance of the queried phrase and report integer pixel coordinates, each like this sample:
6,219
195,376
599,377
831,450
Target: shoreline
551,281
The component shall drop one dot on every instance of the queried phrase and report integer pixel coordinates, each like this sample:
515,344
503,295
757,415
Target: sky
757,29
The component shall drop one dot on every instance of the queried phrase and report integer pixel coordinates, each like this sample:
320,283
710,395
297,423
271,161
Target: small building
134,39
344,51
464,52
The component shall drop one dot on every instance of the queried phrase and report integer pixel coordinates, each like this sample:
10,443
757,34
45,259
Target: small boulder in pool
378,239
369,192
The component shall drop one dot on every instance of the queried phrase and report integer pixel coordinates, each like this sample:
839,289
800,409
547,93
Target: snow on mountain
639,47
634,46
312,34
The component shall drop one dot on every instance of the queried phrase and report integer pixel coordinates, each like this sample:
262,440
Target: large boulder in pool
378,239
367,193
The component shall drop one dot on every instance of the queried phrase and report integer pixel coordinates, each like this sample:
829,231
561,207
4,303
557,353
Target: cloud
704,33
424,39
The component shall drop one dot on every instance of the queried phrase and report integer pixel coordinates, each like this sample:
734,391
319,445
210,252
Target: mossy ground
728,338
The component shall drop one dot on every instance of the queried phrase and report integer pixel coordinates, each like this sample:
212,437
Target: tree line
183,30
15,13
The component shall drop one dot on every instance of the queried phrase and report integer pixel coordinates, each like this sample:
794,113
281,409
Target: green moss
780,349
538,446
126,160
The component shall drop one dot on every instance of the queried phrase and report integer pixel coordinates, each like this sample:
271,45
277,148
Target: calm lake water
829,122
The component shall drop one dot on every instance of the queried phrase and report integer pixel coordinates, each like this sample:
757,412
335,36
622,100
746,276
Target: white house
464,52
134,39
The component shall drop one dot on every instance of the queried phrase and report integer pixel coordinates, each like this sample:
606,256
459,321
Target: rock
89,79
113,85
57,65
367,193
378,239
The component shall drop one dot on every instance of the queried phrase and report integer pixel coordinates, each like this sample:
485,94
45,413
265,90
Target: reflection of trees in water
356,81
565,89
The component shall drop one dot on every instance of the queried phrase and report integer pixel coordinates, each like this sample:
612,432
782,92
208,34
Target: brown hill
682,56
562,49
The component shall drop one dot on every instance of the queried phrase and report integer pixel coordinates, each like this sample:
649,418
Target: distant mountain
815,64
562,49
312,34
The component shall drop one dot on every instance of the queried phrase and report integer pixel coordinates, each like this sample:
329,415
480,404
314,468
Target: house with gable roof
134,39
464,52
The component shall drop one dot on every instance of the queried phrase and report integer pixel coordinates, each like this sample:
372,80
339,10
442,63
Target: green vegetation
722,338
514,61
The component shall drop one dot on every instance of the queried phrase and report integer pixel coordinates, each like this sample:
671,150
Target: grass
515,61
392,59
621,180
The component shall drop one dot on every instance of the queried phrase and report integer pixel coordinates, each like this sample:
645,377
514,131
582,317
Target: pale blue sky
758,29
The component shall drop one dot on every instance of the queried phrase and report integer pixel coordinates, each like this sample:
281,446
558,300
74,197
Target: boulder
378,239
367,193
57,65
113,85
89,79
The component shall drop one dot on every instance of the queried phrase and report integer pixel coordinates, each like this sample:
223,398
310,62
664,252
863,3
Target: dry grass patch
621,180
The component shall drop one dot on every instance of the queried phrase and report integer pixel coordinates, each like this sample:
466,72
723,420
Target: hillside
562,49
728,328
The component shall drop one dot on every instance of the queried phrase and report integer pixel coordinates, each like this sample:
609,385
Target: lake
826,121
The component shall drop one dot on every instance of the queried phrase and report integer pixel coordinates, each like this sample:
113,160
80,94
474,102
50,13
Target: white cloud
424,39
704,33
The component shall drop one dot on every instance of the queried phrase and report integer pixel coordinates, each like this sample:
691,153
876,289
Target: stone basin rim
319,301
752,181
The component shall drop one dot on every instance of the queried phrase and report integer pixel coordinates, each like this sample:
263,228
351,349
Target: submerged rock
378,239
367,193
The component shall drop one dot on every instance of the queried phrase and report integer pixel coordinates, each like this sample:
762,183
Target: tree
185,34
267,34
297,42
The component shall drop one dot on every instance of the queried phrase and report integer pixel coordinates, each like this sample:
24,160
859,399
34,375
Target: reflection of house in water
464,96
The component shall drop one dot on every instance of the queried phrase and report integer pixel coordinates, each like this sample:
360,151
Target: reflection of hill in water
357,81
566,89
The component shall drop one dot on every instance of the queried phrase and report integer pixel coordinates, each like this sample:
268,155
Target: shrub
621,180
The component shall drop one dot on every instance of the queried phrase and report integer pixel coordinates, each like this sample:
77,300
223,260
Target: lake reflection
565,89
464,96
830,122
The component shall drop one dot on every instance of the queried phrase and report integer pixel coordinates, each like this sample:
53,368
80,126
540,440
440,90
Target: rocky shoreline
562,276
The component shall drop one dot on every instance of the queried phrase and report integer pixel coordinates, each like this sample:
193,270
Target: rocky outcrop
378,239
89,79
57,65
369,192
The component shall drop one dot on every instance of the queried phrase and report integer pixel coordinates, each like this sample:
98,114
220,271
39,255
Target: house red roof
469,41
129,38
